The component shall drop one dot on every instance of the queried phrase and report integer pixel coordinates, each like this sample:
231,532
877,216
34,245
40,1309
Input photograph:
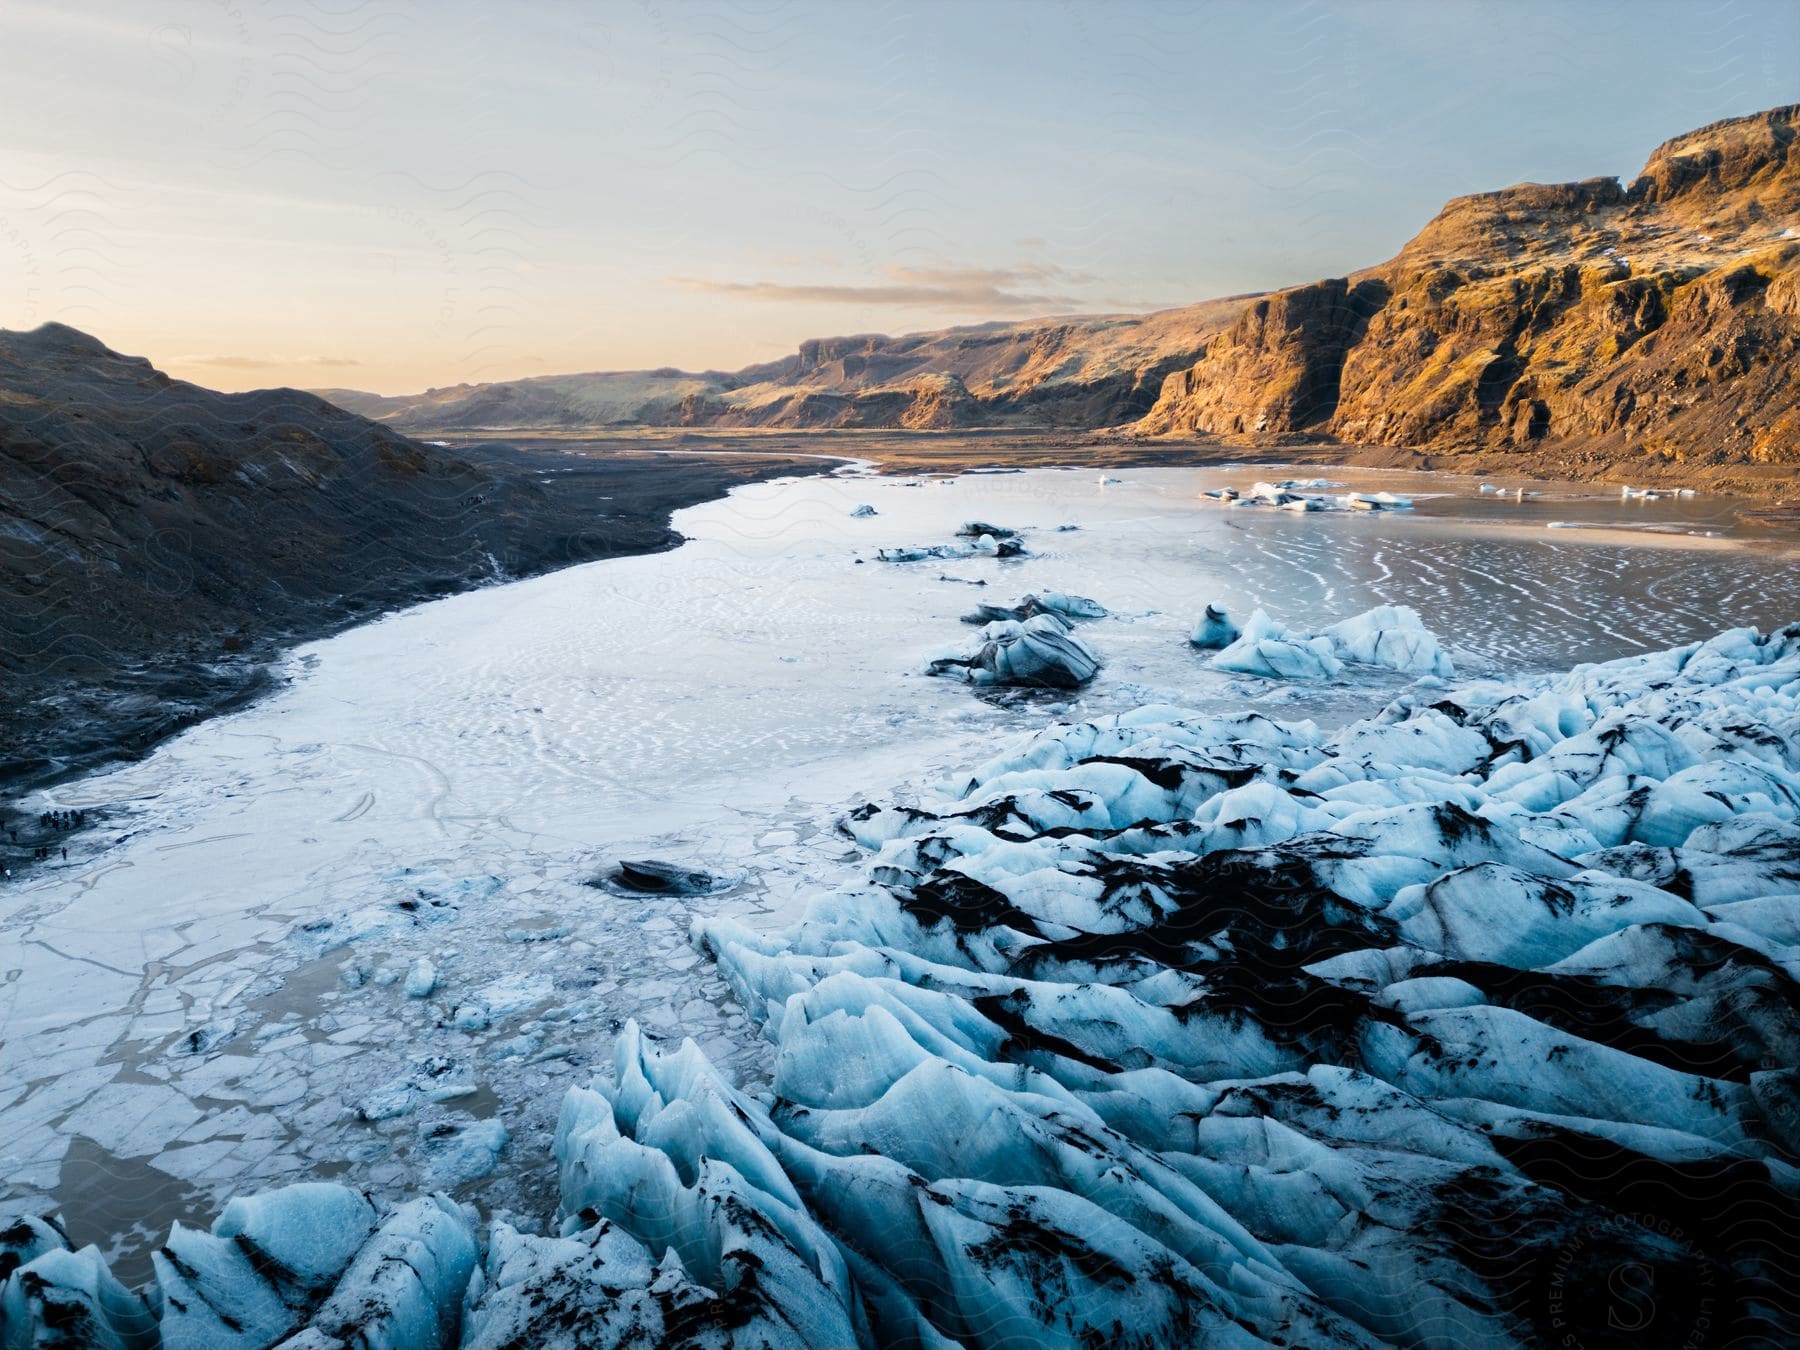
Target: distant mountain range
1081,371
1660,318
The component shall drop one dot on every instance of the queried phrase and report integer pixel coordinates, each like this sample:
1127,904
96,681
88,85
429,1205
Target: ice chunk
1215,631
657,876
70,1299
1392,636
1070,606
25,1238
1263,648
421,979
1039,653
404,1289
267,1261
458,1149
976,529
1049,602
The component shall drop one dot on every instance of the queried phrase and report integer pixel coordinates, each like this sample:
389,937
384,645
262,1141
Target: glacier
1473,1023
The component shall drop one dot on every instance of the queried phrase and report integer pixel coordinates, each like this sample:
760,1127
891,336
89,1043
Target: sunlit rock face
1604,317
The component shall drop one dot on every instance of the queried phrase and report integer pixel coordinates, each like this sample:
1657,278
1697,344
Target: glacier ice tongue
1162,1029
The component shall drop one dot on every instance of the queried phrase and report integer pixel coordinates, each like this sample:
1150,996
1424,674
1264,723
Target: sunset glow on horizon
393,196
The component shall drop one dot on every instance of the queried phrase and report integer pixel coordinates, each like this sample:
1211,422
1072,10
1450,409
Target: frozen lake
346,932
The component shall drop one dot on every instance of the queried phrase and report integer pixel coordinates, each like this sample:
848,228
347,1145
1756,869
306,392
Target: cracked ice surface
1164,1029
217,996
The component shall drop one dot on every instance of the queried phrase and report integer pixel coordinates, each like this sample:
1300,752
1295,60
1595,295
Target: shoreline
150,698
125,717
1765,489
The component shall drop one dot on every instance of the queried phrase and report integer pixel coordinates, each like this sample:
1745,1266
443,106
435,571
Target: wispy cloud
271,363
984,290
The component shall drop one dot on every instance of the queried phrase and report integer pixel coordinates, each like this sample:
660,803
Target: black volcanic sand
165,657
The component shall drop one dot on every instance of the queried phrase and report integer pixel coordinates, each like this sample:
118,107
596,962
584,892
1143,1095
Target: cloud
1026,286
267,363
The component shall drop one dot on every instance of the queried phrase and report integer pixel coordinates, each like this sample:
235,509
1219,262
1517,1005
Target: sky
393,195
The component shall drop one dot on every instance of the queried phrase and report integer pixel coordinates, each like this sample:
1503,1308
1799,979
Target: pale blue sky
392,194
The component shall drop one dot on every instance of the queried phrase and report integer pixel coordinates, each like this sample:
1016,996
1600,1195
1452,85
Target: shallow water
210,996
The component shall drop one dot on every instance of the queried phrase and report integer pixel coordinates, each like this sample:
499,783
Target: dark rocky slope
157,538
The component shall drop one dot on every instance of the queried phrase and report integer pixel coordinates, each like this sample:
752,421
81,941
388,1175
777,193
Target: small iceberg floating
1389,636
986,545
1040,653
656,876
1282,496
1048,602
1215,631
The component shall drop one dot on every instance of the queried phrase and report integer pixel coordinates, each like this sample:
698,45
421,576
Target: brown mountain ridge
1660,317
1656,321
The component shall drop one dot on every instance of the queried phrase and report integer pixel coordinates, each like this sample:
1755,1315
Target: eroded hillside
1654,323
1660,318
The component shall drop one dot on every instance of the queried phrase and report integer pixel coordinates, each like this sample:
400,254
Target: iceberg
1307,494
1215,631
1264,648
1039,653
1047,602
1389,636
1392,636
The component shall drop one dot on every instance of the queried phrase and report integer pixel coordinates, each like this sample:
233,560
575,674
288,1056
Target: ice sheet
220,975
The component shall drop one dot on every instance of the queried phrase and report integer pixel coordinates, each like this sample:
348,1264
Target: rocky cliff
1660,318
